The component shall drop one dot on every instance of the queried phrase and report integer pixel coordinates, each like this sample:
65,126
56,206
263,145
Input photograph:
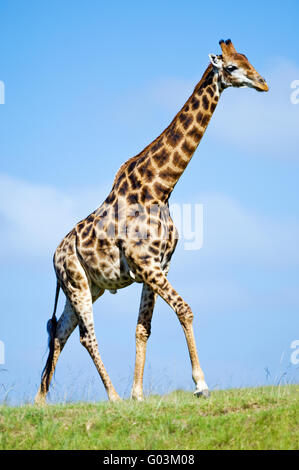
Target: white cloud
240,233
34,218
247,260
241,236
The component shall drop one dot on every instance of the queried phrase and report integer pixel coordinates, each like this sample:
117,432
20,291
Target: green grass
256,418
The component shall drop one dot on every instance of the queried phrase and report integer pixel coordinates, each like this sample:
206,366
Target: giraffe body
131,236
108,262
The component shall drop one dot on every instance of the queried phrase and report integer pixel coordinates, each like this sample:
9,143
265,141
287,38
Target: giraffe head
235,70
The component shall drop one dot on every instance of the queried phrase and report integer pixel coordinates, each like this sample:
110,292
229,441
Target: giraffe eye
231,68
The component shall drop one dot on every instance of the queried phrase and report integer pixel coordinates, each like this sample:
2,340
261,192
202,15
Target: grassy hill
256,418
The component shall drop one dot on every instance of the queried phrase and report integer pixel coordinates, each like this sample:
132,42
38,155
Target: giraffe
131,236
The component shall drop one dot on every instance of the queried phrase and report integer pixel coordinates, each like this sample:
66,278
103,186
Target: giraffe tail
51,329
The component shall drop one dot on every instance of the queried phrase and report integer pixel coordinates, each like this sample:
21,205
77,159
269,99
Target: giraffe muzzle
261,85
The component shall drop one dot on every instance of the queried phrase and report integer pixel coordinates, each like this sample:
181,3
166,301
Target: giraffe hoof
40,401
137,398
115,399
202,393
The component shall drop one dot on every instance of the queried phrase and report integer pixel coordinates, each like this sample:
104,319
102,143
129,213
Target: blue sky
89,84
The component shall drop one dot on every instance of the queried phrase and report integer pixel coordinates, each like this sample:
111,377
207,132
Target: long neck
157,169
172,151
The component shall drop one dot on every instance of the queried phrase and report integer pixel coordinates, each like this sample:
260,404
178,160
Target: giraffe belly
111,271
112,283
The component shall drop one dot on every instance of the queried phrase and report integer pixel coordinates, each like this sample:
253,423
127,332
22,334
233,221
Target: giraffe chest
152,245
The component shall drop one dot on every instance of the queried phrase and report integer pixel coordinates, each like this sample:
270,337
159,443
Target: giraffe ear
216,61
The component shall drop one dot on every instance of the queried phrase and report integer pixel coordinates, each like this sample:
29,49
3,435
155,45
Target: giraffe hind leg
83,307
81,293
65,326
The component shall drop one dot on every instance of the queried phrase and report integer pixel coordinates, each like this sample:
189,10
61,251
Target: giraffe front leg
143,331
160,285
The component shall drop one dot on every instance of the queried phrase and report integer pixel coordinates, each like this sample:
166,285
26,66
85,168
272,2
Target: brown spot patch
169,175
133,198
124,188
187,148
205,102
195,133
209,80
134,181
85,233
161,158
145,195
88,242
153,250
179,161
102,243
120,178
213,107
81,226
145,259
174,136
195,103
146,171
186,120
210,91
205,120
157,145
161,190
90,218
199,117
132,166
111,197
